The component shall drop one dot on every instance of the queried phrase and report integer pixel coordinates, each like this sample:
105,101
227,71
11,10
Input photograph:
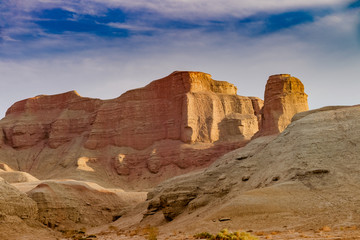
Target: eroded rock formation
18,215
309,171
171,126
66,204
186,106
284,97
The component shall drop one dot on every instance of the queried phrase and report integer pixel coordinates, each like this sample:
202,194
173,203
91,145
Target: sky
102,48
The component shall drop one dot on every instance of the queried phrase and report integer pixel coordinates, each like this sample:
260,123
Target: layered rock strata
18,215
309,171
66,204
186,106
284,97
171,126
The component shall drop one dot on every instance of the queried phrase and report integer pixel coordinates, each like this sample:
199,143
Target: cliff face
171,126
284,97
52,120
186,106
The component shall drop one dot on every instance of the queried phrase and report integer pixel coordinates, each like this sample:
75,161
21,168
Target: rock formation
186,106
84,149
18,214
309,171
17,177
67,204
171,126
284,97
14,203
30,204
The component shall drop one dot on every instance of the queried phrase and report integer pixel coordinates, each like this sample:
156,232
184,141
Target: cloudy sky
101,48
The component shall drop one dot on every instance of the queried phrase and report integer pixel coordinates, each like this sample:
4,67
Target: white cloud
322,54
132,27
215,8
177,8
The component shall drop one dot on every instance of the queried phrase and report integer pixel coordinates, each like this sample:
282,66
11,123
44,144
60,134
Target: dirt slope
305,178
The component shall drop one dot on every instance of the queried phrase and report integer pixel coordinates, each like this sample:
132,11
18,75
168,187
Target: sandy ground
343,233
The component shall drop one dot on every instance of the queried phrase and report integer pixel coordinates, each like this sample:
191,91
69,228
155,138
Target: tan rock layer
284,97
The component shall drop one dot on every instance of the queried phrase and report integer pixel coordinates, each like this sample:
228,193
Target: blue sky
102,48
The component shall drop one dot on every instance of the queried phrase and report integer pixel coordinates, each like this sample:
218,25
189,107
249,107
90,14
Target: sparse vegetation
226,235
203,235
77,234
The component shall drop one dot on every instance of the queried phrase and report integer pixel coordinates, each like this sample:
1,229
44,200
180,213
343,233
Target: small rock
242,158
222,177
245,178
275,179
91,237
224,219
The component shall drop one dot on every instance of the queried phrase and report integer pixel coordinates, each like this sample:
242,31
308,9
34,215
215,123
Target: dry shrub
226,235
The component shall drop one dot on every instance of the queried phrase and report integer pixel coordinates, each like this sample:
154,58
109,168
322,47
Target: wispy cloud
213,8
120,20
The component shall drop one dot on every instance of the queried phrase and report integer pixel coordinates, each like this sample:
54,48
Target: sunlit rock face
171,126
186,106
284,97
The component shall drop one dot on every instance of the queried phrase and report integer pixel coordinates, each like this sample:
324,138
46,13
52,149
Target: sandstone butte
173,125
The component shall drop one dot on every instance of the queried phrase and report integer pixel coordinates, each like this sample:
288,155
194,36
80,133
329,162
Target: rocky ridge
171,126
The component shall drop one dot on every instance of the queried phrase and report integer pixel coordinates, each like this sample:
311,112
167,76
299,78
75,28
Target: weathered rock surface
309,171
171,126
5,167
18,215
15,203
284,97
186,106
17,177
69,204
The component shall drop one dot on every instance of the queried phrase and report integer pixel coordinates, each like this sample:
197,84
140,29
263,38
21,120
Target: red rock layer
146,128
171,126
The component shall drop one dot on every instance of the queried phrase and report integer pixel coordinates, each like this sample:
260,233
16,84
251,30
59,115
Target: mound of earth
18,214
27,205
17,177
69,204
305,178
